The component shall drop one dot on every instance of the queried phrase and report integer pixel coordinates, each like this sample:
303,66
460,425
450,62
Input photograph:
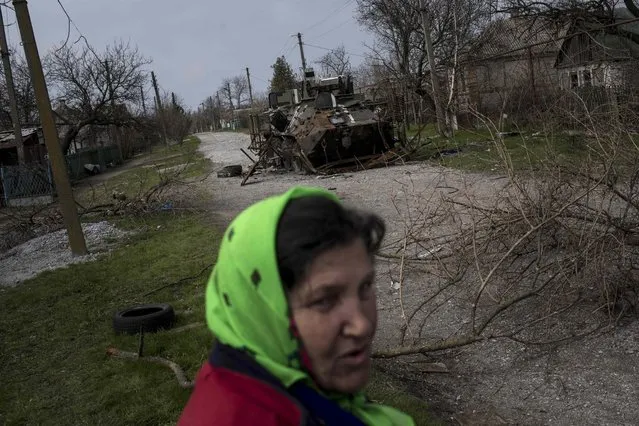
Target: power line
82,37
290,50
330,50
6,4
332,29
330,15
288,40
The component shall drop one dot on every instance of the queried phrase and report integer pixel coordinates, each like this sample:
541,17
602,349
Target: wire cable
6,4
81,37
333,29
331,15
330,50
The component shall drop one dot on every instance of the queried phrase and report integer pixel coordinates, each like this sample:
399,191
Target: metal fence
101,156
25,182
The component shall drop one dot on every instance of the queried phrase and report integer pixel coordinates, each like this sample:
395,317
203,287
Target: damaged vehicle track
592,380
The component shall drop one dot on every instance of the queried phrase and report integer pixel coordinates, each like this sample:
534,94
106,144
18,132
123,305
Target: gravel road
592,381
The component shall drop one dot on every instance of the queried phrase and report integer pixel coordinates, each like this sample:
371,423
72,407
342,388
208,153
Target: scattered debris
92,169
230,171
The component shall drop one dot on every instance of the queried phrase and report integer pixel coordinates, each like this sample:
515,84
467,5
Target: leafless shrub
550,255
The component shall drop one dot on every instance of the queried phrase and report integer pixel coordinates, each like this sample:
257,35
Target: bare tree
97,89
177,120
25,98
239,86
400,44
336,62
226,92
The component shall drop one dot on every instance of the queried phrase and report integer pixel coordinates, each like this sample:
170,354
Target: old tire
230,171
148,318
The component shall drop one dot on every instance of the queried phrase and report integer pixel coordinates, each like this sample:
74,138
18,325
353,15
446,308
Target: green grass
478,150
182,161
56,329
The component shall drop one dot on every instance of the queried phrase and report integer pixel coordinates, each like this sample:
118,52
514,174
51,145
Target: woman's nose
356,320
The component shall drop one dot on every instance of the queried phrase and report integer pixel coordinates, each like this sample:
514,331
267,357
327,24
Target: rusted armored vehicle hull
332,127
324,143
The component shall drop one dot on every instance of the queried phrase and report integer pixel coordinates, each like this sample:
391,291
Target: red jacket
225,398
231,390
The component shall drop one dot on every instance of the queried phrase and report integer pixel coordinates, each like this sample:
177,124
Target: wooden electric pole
60,175
11,91
113,128
299,39
248,78
430,53
218,125
143,100
160,110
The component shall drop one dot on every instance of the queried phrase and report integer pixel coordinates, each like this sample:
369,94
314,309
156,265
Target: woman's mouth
357,356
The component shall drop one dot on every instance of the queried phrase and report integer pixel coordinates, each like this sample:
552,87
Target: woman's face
335,311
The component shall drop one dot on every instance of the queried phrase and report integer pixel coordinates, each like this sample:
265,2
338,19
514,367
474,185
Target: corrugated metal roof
512,36
7,136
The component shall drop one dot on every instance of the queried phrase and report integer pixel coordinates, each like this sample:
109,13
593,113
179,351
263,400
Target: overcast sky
195,44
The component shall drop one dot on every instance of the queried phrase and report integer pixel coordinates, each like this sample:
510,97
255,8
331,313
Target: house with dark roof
517,63
512,60
601,54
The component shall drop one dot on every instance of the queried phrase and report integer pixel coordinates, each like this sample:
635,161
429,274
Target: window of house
574,80
587,78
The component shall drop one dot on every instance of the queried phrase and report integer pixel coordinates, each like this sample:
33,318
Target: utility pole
299,39
211,103
11,91
113,128
60,175
230,95
248,78
158,100
219,109
143,100
428,44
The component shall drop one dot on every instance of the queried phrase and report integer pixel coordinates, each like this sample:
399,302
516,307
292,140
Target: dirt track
591,381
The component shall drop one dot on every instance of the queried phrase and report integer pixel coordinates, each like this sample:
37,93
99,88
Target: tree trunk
428,44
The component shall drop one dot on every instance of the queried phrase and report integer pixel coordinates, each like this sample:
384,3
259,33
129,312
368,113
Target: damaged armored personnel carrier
331,126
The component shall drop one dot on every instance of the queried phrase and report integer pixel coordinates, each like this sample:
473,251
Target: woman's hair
310,226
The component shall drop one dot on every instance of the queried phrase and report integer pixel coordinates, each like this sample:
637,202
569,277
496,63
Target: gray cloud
195,44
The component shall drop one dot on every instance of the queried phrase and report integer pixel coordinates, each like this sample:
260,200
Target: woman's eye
366,288
325,303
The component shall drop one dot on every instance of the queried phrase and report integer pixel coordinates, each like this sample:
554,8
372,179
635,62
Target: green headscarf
247,309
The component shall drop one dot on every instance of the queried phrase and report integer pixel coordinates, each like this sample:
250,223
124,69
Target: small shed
34,148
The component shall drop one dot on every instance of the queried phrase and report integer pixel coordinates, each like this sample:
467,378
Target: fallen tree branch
429,347
179,373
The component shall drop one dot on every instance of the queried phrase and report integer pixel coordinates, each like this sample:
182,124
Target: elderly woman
292,305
